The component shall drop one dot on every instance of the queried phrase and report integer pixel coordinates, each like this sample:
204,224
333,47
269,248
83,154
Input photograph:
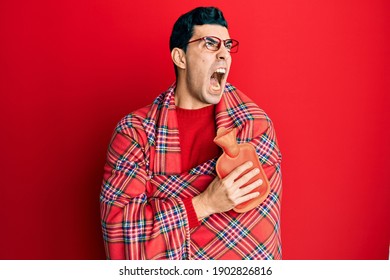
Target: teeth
221,71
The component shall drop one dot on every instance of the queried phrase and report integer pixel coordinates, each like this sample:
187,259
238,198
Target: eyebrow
211,39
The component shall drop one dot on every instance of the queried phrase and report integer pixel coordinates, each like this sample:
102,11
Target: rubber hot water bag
235,154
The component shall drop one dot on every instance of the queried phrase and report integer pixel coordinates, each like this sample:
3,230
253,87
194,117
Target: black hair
183,29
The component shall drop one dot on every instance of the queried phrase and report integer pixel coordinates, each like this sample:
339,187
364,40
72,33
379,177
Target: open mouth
216,79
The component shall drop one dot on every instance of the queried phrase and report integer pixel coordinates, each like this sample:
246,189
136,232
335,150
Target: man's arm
136,226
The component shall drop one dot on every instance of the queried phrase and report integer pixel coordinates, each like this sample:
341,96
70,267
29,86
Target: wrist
202,210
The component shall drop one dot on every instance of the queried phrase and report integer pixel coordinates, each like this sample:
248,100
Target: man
161,198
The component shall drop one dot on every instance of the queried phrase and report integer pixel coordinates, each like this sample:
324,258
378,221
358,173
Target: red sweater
197,130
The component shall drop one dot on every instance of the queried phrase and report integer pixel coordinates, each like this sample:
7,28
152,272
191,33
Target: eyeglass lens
215,43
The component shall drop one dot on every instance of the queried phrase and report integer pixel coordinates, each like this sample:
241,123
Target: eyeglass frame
219,43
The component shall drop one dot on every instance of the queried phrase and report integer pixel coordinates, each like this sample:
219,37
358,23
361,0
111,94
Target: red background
71,69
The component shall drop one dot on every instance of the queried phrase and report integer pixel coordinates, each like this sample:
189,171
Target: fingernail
249,164
257,170
260,182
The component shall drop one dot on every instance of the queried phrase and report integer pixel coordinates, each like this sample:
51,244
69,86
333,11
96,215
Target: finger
247,189
247,177
247,197
238,171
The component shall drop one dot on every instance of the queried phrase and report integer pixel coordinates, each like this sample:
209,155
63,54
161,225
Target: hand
224,194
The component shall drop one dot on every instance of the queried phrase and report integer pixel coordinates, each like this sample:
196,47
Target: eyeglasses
214,43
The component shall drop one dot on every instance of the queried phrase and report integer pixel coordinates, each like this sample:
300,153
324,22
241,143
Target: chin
213,98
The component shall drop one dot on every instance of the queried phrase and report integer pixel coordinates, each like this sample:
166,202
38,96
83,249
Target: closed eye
210,42
228,44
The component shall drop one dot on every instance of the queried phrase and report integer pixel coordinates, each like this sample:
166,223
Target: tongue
214,84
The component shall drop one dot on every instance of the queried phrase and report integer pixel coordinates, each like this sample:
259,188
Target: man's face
204,85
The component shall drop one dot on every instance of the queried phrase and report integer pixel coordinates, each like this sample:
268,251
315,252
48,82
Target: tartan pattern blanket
142,211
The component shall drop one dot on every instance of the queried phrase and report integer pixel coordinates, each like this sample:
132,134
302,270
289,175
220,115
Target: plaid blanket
142,210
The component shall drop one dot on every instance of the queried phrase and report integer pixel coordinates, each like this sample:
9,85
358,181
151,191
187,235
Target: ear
179,58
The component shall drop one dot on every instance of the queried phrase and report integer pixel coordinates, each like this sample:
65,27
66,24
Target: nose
223,53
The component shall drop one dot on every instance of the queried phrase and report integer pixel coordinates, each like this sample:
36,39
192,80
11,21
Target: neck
183,97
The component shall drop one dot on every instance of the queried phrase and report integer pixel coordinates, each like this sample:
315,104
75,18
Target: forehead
210,30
